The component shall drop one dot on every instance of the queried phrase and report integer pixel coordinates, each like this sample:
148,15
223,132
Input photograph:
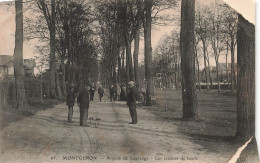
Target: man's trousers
83,116
70,114
133,113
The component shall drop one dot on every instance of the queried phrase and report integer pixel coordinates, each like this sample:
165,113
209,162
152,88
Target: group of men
117,93
82,101
87,94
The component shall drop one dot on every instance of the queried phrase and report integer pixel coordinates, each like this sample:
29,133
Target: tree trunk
217,74
119,70
246,79
129,63
205,64
18,57
131,68
52,52
198,67
233,75
176,75
123,59
189,96
136,51
63,76
41,85
148,51
127,68
58,86
227,76
209,71
114,74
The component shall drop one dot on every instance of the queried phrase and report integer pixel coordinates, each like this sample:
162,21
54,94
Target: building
7,66
29,65
222,71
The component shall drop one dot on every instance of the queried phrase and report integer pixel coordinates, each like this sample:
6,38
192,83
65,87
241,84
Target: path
47,136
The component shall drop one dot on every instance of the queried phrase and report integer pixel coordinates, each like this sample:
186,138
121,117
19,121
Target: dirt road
48,137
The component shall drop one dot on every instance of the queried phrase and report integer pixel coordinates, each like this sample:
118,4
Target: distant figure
70,102
123,94
83,103
118,92
144,96
91,93
100,92
112,93
131,101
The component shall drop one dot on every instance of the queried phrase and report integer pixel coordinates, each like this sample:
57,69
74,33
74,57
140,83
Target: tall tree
246,78
18,56
50,20
136,42
189,96
148,50
196,42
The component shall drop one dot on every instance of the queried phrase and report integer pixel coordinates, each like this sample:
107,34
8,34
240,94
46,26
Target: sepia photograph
128,81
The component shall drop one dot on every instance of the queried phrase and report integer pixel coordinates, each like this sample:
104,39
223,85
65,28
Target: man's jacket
83,99
100,90
70,98
131,97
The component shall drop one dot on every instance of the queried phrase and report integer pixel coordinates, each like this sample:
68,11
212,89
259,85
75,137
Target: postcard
128,81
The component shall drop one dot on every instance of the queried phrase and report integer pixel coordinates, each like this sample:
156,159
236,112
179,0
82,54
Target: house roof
5,59
28,63
221,67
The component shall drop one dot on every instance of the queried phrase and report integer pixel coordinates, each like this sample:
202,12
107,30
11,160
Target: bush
32,88
47,103
7,91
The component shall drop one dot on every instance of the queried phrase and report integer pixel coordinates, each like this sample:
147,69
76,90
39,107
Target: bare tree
203,35
230,21
50,20
217,36
18,57
189,95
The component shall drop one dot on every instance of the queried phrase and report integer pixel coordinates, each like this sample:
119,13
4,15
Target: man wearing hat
131,102
83,103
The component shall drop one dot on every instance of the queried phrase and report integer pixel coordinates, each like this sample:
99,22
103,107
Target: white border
257,75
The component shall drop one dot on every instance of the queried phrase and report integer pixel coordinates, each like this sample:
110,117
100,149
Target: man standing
83,103
123,94
92,92
118,92
70,102
112,93
100,92
131,102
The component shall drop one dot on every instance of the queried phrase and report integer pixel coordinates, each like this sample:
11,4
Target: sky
7,28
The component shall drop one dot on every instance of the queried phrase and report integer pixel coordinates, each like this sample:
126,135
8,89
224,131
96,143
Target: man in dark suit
83,103
112,93
92,92
131,102
70,102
